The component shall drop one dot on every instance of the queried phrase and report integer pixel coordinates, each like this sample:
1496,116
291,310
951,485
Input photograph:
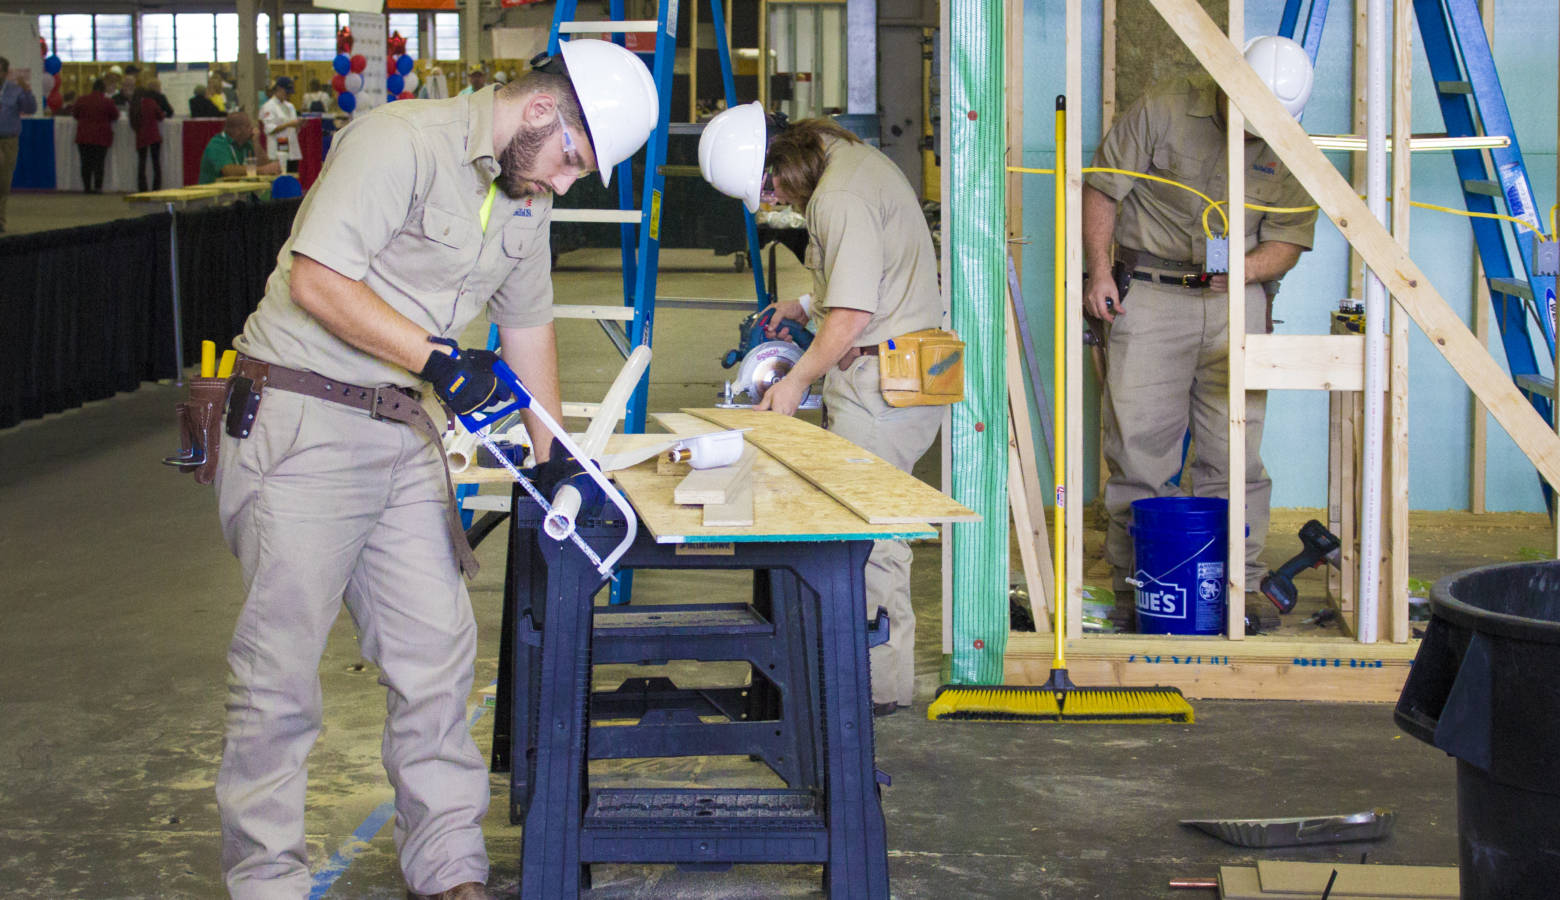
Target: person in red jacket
147,110
95,117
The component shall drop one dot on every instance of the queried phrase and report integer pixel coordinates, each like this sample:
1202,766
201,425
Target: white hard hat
617,95
1284,67
731,153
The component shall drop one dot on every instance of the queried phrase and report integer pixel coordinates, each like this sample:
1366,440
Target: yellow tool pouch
922,368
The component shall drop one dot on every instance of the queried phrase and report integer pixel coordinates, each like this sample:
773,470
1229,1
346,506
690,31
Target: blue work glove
562,468
464,382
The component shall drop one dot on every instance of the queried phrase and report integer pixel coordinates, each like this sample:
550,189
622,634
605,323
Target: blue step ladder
1473,105
639,225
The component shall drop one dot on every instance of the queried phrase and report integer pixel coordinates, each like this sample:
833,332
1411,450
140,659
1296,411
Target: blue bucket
1181,548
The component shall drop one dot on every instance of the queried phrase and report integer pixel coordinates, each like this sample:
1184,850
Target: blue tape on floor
354,846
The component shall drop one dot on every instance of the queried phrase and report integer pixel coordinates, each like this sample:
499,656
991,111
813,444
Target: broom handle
1059,364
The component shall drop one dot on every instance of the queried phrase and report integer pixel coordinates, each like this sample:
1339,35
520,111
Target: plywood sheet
869,486
736,511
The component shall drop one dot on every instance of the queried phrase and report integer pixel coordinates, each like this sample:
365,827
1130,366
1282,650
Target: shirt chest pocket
1186,169
524,237
439,258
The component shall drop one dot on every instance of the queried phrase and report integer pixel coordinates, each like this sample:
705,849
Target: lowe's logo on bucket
1156,598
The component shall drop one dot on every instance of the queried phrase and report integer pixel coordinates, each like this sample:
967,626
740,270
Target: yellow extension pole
1059,378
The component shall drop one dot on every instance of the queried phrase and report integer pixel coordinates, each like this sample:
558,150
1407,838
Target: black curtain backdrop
87,312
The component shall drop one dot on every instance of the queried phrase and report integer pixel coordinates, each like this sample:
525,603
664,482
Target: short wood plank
869,486
1403,277
1305,362
715,486
736,511
1399,882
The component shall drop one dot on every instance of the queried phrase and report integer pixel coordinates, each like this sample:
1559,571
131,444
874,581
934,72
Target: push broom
1059,700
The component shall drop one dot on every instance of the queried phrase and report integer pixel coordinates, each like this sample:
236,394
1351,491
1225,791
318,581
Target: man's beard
519,156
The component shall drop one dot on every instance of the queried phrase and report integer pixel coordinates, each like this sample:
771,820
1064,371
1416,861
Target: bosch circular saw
762,362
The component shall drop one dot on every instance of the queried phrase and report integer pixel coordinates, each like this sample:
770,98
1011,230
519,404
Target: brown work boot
471,890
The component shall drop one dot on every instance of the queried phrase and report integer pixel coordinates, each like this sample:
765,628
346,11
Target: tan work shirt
868,245
398,207
1172,132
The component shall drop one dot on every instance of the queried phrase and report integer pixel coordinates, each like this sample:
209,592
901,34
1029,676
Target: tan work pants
323,503
856,412
1167,370
9,147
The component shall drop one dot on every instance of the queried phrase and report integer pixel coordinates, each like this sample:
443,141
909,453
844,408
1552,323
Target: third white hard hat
731,152
618,97
1284,67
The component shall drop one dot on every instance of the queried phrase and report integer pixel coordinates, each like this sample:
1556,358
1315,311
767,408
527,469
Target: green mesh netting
976,236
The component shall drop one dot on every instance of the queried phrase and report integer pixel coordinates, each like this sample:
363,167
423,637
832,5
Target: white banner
19,45
370,32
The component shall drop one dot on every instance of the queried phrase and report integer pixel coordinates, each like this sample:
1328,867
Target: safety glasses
571,152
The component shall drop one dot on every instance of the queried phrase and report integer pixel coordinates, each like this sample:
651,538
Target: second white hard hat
1284,67
617,95
731,152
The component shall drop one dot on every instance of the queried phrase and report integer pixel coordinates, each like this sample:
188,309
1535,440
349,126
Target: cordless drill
1321,546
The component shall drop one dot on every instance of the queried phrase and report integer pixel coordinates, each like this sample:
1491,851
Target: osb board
872,487
1257,668
785,508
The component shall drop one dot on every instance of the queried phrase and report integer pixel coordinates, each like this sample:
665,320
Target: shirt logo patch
1265,168
525,210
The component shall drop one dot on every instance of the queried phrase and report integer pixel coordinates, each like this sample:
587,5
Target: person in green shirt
232,152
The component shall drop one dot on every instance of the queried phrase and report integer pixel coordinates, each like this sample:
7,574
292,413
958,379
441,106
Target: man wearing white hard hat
1167,348
331,482
874,279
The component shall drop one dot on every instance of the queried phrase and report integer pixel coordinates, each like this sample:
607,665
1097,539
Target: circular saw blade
764,365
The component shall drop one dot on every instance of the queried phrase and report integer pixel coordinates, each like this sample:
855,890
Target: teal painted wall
1440,411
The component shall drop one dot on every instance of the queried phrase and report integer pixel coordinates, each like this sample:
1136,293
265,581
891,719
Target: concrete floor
120,596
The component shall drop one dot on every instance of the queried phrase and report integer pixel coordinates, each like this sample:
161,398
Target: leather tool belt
856,353
394,404
1191,280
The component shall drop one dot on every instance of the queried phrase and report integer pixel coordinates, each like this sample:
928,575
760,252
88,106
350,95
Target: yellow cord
1218,205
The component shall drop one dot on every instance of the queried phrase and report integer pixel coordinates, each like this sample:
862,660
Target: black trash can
1485,688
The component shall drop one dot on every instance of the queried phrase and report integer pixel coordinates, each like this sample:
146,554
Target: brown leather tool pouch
200,419
922,368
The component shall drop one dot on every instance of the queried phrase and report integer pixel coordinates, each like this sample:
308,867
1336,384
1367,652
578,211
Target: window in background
446,36
115,38
317,35
406,23
227,37
195,37
72,38
157,37
263,34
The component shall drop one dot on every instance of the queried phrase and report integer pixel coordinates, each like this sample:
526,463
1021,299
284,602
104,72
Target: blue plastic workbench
807,712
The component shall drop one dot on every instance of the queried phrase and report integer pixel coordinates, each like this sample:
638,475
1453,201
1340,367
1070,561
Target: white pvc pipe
460,449
1376,55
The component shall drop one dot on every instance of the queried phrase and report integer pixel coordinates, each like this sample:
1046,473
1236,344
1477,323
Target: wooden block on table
737,511
868,486
716,486
1304,879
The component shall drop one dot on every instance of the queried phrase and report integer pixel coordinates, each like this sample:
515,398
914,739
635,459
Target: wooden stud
1317,362
717,486
1357,160
1404,279
1015,127
1072,154
1477,466
1024,492
1334,485
1235,152
737,511
1393,609
1107,65
1333,669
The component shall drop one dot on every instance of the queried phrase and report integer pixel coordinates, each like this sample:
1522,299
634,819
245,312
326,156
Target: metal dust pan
1372,825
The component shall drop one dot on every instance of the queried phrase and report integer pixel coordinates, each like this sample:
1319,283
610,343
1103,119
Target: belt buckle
1193,280
374,401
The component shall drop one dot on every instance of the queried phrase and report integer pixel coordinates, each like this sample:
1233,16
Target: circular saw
761,363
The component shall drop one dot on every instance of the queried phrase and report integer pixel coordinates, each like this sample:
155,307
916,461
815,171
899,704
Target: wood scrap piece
715,486
1306,879
869,486
738,511
1239,883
